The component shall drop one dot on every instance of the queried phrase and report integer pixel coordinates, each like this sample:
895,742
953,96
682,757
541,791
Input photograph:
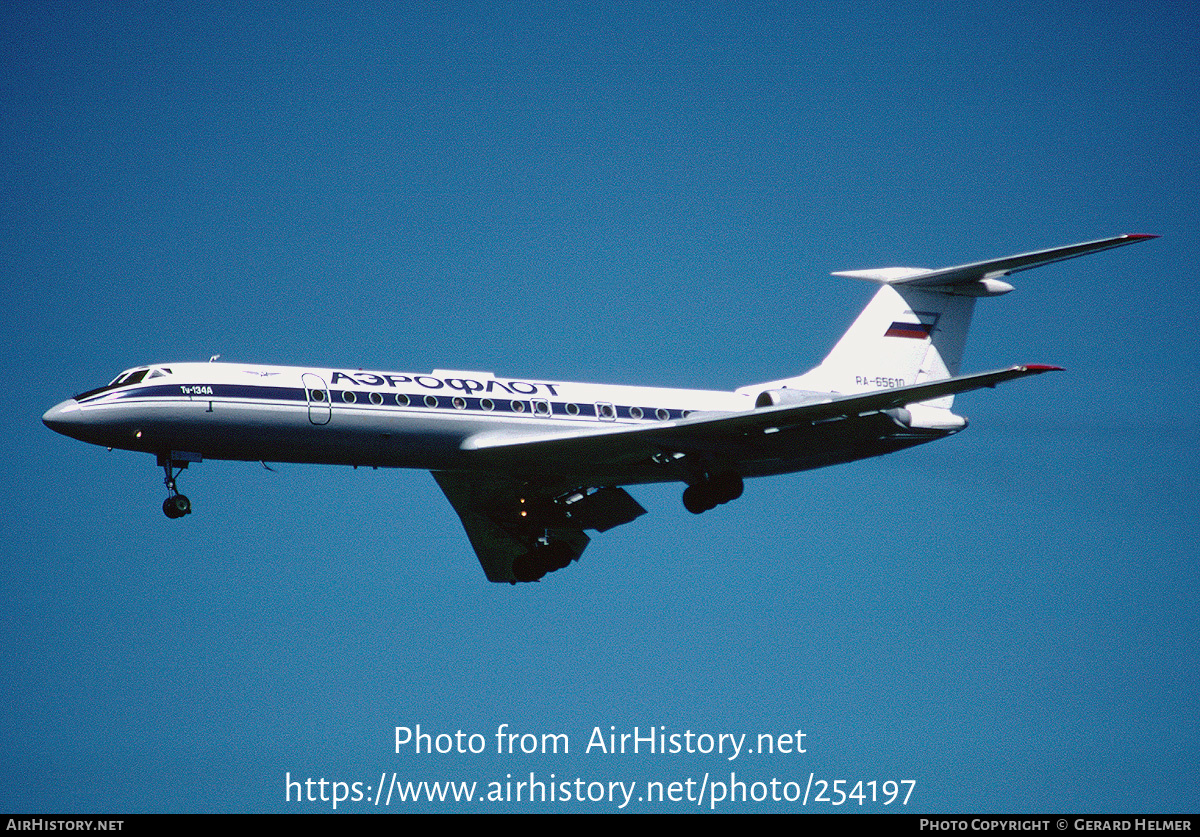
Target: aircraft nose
62,416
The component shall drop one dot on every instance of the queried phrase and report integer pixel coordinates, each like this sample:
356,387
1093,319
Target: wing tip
1038,368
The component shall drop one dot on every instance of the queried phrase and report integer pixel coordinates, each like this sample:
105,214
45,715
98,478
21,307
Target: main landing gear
176,505
711,492
543,558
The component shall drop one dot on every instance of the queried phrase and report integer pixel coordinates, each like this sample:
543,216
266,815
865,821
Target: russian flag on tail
918,331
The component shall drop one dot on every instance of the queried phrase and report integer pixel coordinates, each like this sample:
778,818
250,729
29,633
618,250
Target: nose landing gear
176,505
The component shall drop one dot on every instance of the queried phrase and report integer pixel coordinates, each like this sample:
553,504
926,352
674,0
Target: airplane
529,465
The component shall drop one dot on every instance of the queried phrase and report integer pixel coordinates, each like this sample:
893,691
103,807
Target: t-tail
914,329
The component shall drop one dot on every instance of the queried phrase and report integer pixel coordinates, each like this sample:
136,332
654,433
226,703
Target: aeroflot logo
468,385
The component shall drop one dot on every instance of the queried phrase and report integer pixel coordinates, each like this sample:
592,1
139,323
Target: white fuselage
354,417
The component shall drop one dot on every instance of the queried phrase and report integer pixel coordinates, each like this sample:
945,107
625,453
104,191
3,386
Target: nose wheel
176,506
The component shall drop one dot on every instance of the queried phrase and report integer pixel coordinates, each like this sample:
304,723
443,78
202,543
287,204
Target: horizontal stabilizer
982,278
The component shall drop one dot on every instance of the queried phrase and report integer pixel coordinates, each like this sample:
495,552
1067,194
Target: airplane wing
702,431
528,499
522,529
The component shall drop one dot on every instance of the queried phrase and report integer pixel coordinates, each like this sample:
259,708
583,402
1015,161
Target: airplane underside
528,515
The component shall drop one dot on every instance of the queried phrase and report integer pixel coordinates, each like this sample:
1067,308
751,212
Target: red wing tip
1139,236
1042,367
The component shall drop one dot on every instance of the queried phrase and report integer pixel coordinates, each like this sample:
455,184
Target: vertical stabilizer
904,336
914,329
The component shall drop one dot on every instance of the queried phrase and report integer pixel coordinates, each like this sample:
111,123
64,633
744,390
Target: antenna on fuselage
213,358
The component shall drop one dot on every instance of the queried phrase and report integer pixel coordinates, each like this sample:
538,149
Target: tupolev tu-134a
531,465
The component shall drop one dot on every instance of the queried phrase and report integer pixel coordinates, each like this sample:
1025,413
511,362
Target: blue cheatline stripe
362,398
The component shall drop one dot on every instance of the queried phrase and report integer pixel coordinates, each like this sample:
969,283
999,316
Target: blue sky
627,194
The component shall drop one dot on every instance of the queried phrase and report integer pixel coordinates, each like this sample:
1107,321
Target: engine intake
775,397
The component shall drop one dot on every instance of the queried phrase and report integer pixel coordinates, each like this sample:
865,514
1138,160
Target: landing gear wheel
697,499
542,559
176,506
727,486
525,568
555,556
702,496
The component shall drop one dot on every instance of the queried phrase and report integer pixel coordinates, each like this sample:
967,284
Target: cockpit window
131,376
126,378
